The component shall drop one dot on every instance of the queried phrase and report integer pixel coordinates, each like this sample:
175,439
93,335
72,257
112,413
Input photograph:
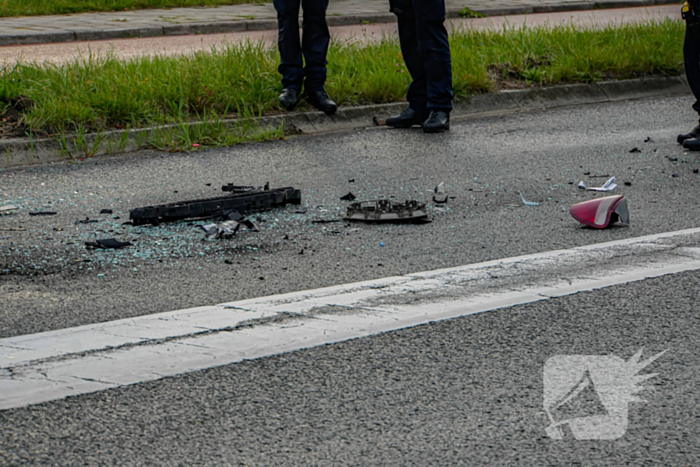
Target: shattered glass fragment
528,203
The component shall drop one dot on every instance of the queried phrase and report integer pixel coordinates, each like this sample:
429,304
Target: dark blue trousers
311,48
691,55
426,52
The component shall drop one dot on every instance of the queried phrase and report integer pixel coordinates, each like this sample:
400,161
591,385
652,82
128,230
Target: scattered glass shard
528,203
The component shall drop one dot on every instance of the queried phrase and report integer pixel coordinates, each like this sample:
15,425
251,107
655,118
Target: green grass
59,7
95,94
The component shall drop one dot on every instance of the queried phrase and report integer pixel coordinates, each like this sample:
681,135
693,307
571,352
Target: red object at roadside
599,213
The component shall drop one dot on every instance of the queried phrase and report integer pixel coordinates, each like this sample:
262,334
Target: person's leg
434,53
417,95
691,56
314,44
291,62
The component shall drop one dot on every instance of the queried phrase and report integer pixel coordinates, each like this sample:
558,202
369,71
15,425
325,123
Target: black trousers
691,55
312,48
426,52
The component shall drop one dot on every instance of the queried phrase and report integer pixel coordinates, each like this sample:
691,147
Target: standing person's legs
291,62
417,95
691,56
435,53
315,41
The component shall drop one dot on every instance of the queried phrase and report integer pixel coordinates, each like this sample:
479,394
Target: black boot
289,98
321,101
692,144
407,119
438,122
694,133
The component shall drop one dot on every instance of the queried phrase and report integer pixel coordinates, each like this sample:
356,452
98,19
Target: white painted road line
52,365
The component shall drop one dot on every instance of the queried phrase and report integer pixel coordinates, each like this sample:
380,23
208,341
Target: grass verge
94,94
61,7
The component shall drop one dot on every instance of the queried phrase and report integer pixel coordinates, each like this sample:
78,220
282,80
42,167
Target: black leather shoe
289,98
694,133
321,101
438,122
407,119
692,144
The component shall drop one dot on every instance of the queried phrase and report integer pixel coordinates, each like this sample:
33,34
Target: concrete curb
21,152
257,25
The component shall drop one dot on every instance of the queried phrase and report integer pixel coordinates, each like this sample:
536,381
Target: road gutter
53,365
25,151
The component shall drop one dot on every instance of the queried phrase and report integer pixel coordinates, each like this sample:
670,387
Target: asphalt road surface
460,392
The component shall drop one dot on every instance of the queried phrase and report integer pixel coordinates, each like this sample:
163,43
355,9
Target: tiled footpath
232,18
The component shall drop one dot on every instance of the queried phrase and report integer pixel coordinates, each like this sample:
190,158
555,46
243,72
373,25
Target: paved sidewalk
233,18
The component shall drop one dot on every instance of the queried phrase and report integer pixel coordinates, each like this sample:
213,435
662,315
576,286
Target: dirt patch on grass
12,118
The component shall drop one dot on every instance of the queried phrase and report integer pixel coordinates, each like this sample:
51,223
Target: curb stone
267,24
22,152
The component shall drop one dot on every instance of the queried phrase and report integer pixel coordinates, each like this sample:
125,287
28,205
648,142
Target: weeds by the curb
96,94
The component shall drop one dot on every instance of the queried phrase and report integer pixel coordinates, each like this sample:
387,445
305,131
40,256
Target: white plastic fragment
610,185
8,208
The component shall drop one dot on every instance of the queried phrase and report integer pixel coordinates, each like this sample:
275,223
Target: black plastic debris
301,211
325,221
675,175
672,159
228,214
43,213
250,225
106,211
648,140
384,210
696,171
352,180
628,183
87,220
348,197
106,244
634,150
241,202
440,196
